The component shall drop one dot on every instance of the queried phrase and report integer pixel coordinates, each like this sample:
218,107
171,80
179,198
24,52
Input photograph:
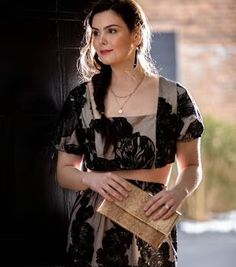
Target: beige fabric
129,213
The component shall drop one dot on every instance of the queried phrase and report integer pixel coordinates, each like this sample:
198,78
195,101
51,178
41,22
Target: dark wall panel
38,52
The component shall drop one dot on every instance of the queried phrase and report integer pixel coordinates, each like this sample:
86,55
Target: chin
108,62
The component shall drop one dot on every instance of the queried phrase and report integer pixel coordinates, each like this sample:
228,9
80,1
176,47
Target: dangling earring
135,58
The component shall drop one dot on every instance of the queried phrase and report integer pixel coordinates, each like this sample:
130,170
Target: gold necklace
121,106
121,96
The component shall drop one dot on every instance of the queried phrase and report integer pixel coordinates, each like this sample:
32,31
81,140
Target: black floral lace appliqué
80,251
131,150
185,109
165,133
115,243
69,120
151,257
135,152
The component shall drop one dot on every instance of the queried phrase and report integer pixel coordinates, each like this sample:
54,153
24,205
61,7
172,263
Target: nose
103,40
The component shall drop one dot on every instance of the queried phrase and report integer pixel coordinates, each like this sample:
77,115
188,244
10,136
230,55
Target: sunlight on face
111,39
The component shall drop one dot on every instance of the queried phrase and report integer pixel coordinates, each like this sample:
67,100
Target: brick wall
206,49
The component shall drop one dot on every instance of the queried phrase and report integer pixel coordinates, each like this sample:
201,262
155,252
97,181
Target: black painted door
38,52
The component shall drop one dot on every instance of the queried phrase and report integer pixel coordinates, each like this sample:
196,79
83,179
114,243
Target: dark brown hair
90,66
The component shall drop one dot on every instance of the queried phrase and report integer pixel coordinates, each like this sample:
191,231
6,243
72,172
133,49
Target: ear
137,37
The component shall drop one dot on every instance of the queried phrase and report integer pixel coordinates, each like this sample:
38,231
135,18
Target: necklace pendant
120,111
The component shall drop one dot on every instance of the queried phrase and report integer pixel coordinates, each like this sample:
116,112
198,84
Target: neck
125,76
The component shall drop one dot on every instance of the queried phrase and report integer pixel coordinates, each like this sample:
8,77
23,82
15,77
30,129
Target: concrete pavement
209,249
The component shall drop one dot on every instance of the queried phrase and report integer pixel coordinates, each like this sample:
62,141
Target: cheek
123,45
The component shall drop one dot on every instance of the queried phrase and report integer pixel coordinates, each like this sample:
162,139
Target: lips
105,51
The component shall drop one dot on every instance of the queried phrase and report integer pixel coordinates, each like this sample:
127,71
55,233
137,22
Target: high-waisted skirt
96,241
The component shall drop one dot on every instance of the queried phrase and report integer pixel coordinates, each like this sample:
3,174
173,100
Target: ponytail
101,83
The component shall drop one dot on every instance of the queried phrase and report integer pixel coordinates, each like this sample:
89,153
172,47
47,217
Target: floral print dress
142,142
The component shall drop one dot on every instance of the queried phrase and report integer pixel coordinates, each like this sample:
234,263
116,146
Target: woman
124,122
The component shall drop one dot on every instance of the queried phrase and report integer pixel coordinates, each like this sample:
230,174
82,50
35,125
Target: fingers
154,203
164,212
114,187
162,205
105,195
122,182
113,193
169,212
119,189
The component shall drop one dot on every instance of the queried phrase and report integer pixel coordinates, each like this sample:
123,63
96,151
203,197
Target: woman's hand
108,185
164,203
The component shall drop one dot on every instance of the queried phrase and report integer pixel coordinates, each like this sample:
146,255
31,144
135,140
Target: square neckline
93,109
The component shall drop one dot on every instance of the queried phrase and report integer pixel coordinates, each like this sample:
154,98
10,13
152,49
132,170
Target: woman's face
112,40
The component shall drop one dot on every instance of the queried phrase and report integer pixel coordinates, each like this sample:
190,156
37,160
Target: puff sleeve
70,131
190,124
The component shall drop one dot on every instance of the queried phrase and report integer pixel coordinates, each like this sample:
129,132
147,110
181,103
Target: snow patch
224,223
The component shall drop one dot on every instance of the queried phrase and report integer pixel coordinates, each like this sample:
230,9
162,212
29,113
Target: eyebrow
112,25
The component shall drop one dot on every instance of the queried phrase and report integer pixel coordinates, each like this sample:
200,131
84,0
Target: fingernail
154,218
129,188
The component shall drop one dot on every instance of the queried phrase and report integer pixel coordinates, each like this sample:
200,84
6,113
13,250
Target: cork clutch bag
129,214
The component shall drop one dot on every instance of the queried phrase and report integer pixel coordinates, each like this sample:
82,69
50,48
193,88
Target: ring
166,206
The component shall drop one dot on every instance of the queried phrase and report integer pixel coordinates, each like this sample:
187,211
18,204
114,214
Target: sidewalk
209,249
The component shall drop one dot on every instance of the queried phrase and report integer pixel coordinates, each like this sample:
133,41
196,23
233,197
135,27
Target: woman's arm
189,166
107,184
165,203
68,174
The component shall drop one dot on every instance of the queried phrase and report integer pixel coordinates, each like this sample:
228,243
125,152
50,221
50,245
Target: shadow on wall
36,44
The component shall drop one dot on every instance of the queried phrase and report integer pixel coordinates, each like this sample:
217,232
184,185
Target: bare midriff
158,175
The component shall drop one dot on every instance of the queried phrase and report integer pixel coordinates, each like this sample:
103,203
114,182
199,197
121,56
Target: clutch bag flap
129,213
131,223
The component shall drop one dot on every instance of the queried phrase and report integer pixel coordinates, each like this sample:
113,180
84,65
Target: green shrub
219,164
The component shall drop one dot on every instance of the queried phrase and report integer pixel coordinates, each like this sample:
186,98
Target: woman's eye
112,30
95,33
